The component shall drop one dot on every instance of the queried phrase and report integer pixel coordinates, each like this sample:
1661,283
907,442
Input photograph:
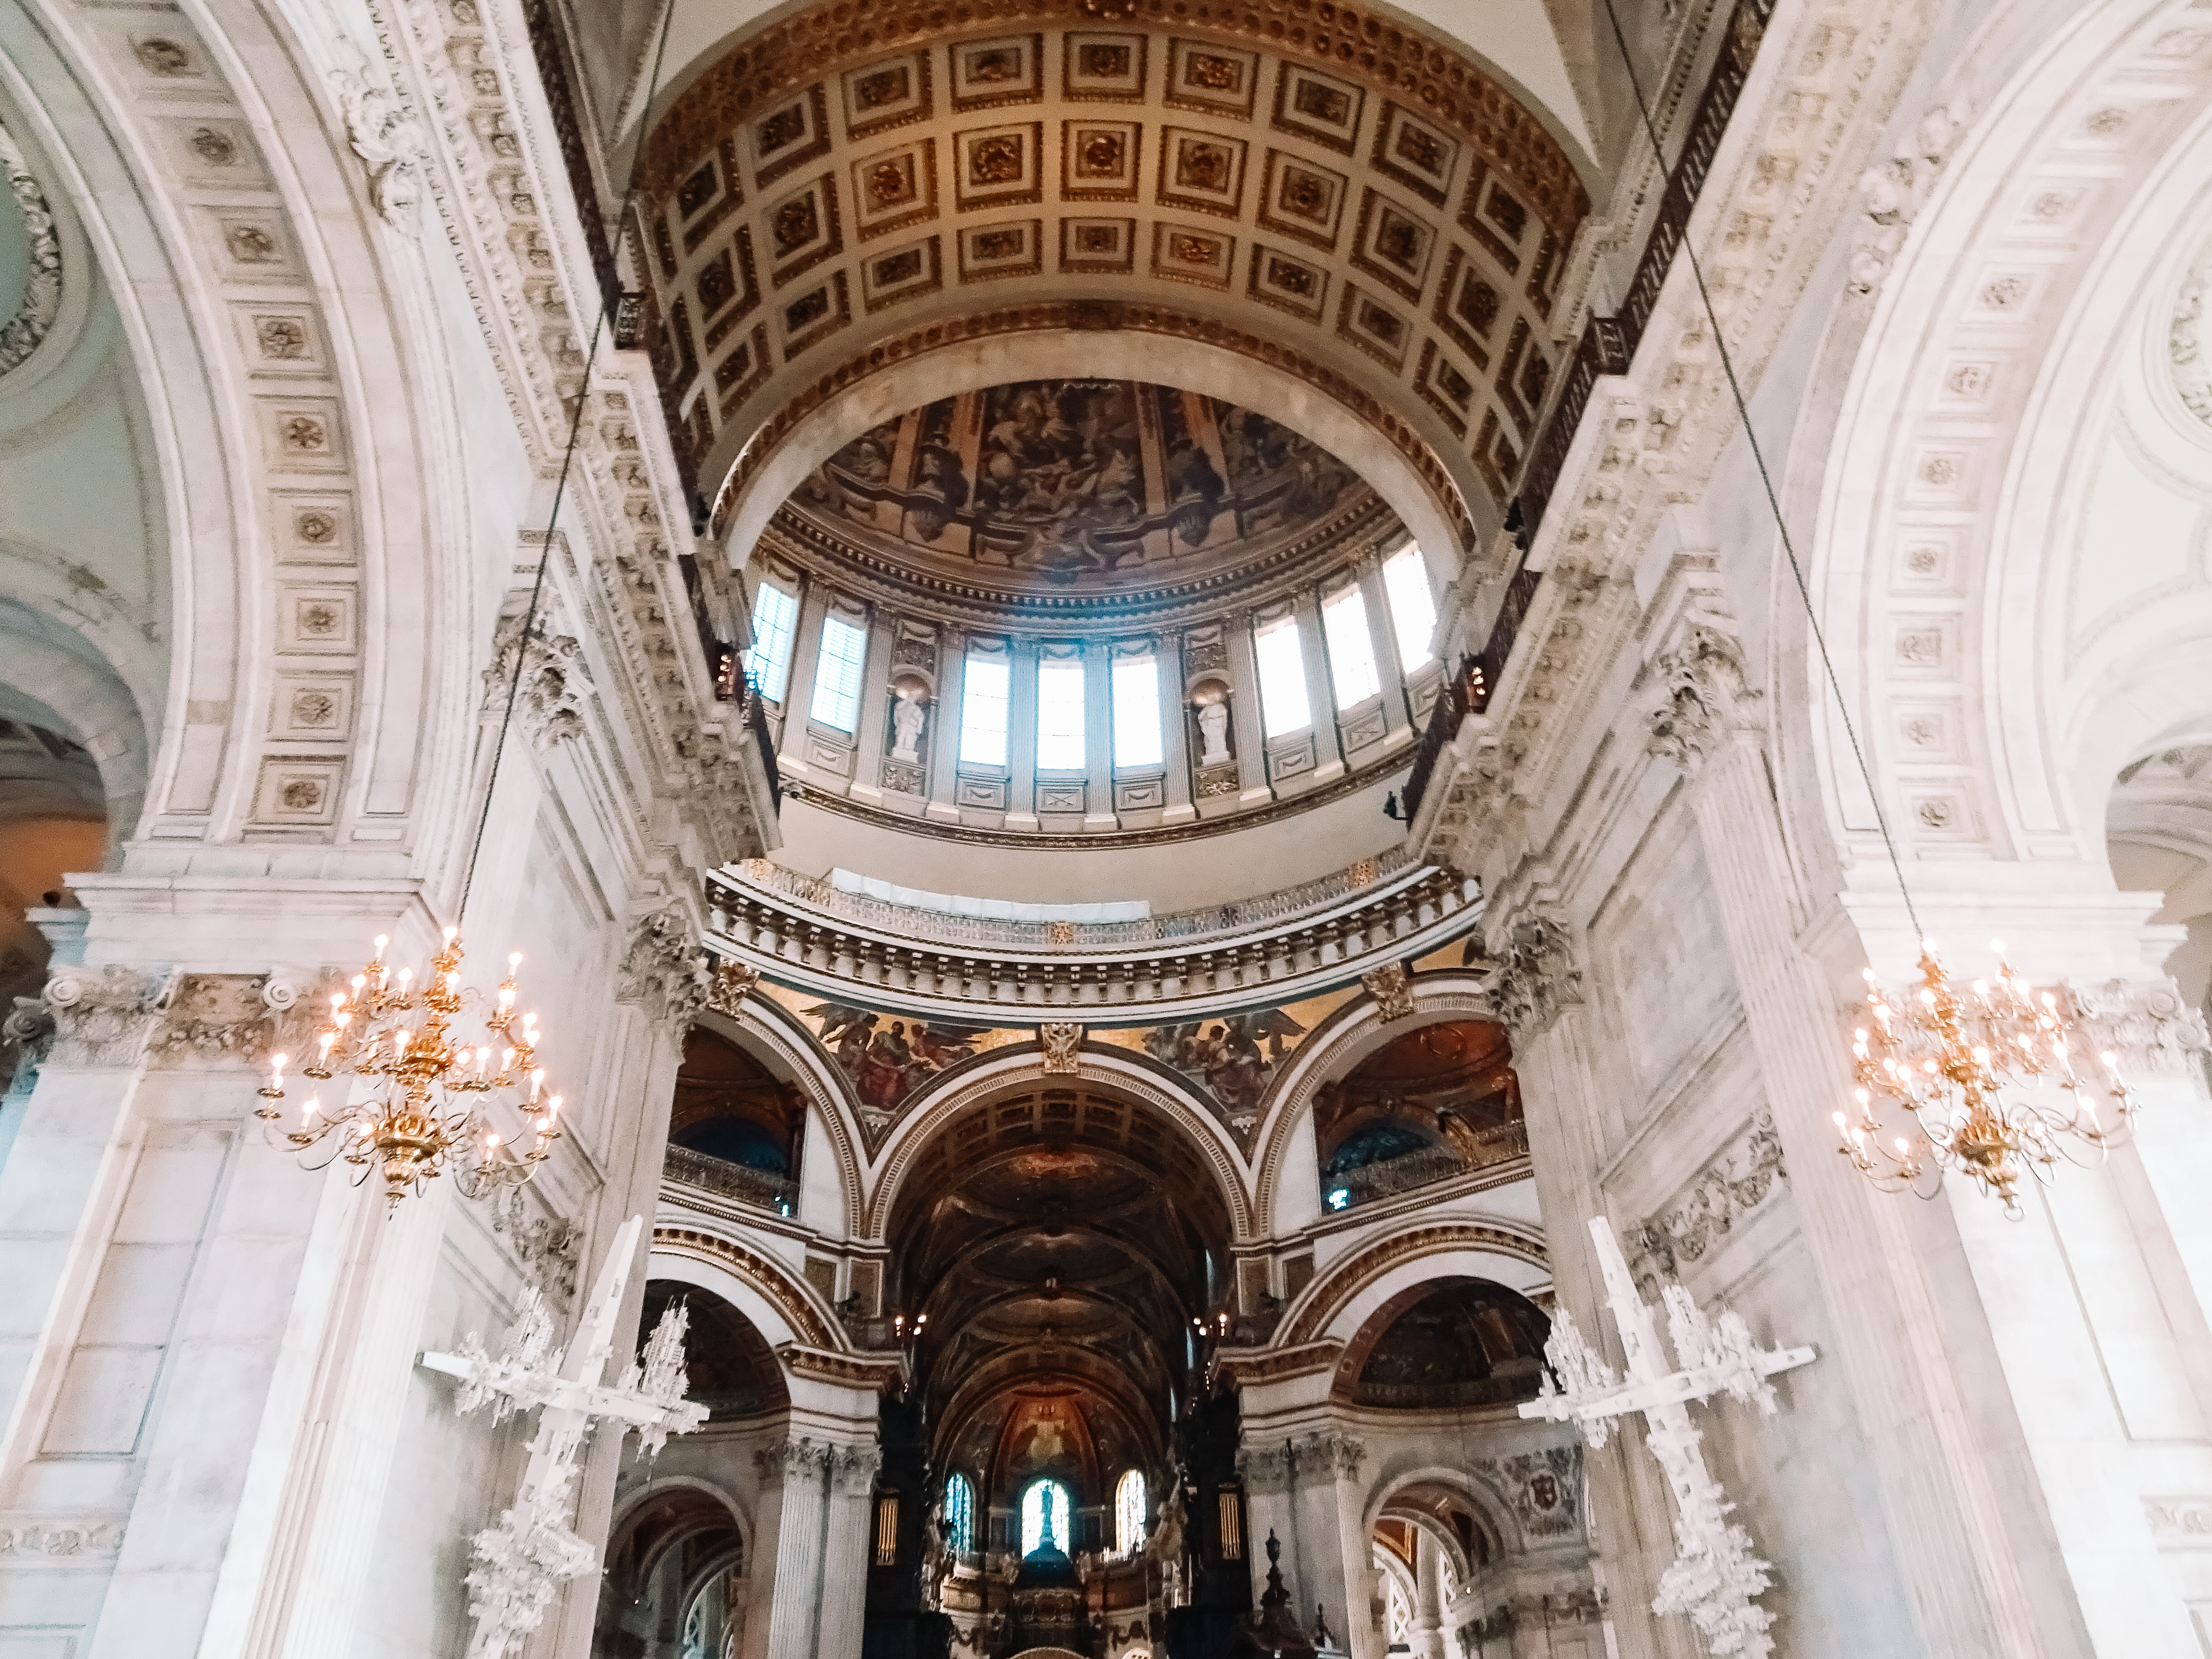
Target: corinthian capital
101,1018
854,1468
1706,696
1266,1468
1537,975
550,694
665,969
791,1459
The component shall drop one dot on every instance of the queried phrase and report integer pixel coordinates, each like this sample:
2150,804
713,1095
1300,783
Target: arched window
1044,1517
1129,1513
960,1514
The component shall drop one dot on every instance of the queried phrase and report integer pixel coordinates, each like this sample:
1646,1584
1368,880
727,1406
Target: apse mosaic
1078,482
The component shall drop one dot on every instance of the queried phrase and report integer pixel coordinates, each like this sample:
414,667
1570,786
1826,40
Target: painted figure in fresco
1225,1055
887,1063
940,491
1061,458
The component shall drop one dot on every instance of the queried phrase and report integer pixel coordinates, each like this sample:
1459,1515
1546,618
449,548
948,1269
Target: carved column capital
1265,1467
549,698
1537,975
1706,697
1345,1454
786,1459
854,1468
665,969
101,1018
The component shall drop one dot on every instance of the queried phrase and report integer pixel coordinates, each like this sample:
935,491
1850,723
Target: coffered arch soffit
1361,221
1001,1073
305,483
1340,1043
2017,506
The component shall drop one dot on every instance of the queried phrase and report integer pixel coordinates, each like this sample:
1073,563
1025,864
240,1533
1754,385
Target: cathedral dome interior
1105,830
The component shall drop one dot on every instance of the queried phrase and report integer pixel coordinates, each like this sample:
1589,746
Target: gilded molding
770,1277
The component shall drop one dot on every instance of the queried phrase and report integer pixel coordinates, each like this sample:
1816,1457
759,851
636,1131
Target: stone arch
1346,1038
627,1508
1002,1071
308,490
1340,1302
1490,1510
1988,372
769,1032
781,1304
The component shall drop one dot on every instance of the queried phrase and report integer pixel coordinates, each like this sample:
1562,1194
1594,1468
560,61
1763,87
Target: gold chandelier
1971,1069
416,1095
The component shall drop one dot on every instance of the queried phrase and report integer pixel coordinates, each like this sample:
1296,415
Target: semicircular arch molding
1339,1303
1350,1034
771,1034
1998,397
1005,1072
632,1505
781,1304
1493,1512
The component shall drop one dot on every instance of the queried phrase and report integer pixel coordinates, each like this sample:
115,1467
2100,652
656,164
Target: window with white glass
775,621
1138,735
1283,705
1413,606
983,700
1059,715
837,673
1129,1513
1350,648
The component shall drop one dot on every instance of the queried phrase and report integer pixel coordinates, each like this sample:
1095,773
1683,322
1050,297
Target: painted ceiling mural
1230,1061
1087,485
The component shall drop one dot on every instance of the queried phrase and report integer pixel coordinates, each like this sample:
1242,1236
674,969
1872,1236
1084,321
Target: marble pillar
798,1470
848,1538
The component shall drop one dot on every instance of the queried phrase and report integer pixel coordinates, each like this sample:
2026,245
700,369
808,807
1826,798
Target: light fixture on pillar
1971,1069
416,1096
1949,1060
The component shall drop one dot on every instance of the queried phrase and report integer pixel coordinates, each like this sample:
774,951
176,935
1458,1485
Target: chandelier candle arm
1968,1070
409,1110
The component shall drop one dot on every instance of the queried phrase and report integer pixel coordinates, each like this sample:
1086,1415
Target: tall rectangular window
837,673
983,711
1350,648
1060,716
775,620
1283,706
1413,607
1137,734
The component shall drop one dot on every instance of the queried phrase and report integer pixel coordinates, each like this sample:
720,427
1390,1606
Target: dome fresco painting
1087,487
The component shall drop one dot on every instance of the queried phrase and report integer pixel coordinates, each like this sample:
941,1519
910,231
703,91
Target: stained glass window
1044,1513
1129,1513
960,1514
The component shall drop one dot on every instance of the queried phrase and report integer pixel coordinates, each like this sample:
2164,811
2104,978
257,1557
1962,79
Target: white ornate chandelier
1971,1070
416,1096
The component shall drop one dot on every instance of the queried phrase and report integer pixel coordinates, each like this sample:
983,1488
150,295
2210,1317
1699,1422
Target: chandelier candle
1951,1059
422,1100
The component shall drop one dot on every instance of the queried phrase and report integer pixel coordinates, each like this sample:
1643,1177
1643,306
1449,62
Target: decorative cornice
844,1370
1280,1364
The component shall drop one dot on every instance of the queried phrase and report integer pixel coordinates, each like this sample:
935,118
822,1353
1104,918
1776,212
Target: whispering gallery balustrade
1275,948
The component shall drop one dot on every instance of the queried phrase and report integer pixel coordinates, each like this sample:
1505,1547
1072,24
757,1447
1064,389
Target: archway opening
1450,1345
1061,1248
1434,1104
53,819
735,1128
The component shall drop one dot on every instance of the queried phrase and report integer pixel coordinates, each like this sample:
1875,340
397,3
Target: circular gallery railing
1274,949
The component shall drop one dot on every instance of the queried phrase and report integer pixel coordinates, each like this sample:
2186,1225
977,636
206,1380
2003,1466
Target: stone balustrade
1269,950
